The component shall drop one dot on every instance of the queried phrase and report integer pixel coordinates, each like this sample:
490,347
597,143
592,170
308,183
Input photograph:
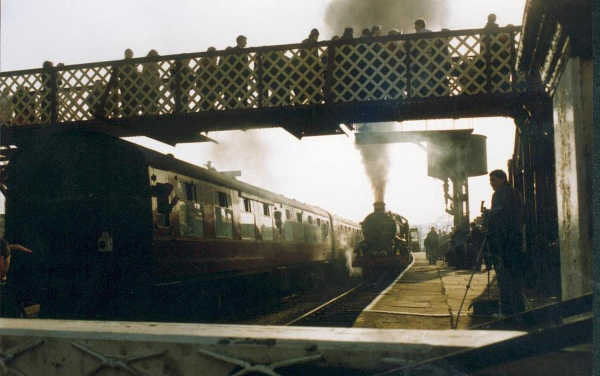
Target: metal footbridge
308,89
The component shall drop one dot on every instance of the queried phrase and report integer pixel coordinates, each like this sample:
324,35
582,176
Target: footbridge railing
413,67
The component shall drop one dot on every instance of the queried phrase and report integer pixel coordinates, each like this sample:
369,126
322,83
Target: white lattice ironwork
156,81
370,71
137,89
409,68
80,92
467,74
293,77
430,65
500,62
128,89
27,99
237,81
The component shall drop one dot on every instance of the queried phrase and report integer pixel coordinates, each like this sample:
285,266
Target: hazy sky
325,171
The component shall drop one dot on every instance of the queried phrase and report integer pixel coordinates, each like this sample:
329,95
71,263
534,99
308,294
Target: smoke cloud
352,271
390,14
376,161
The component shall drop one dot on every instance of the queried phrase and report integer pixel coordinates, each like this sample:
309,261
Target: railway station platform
429,297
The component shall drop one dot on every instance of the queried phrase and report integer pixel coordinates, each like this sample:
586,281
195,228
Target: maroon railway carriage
95,210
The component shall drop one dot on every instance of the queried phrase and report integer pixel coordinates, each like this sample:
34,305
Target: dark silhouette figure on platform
505,237
10,304
431,246
475,241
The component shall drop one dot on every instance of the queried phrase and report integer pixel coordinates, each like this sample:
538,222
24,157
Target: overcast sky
325,171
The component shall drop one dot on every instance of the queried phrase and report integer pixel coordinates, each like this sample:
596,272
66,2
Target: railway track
344,309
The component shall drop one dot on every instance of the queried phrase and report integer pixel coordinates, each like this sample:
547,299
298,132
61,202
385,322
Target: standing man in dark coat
431,246
505,220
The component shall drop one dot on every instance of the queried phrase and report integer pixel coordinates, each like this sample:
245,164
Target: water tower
453,156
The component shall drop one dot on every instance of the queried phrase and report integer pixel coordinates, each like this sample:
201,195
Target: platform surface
429,297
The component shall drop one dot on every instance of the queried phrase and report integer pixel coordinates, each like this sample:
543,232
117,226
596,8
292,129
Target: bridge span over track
308,89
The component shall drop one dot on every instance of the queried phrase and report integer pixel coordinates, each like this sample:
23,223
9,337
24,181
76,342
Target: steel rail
322,306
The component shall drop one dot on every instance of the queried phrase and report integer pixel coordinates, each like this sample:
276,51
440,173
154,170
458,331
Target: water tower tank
442,153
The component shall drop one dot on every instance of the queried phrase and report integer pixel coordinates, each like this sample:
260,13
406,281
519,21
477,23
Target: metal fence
406,67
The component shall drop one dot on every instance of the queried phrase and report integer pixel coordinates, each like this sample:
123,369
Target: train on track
386,247
112,241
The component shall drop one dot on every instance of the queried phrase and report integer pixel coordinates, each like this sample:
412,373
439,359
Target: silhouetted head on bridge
376,31
394,32
420,24
241,41
366,33
48,64
314,35
491,22
129,53
348,33
152,53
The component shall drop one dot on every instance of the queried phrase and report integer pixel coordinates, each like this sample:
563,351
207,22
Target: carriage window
191,212
224,200
266,226
247,205
248,220
325,229
318,221
190,192
289,231
299,217
223,216
309,231
288,215
164,203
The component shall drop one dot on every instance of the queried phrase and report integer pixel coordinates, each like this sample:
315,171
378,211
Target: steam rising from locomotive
376,161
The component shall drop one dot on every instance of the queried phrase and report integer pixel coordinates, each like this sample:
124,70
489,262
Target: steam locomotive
386,247
111,241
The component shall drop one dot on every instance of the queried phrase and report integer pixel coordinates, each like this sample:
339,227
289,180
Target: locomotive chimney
379,206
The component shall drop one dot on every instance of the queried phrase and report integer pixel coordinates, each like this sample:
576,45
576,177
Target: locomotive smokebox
379,206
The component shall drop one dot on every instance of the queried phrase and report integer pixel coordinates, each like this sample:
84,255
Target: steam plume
390,14
376,161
